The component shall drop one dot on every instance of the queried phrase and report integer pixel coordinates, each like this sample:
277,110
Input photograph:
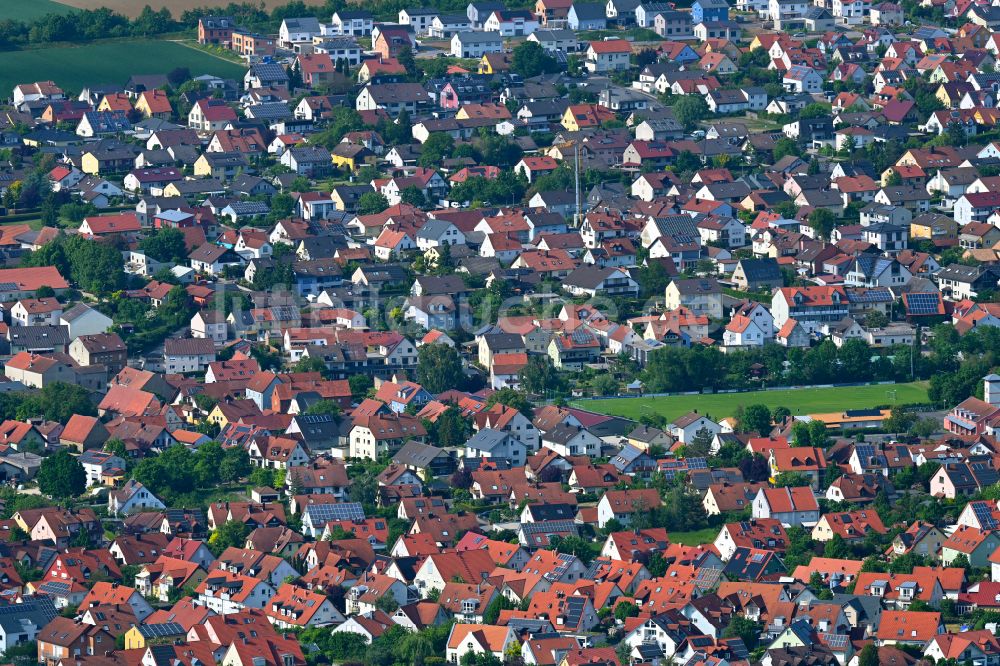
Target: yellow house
936,226
351,156
494,63
202,166
644,437
225,413
581,116
948,101
89,164
115,102
568,120
113,161
146,635
154,104
171,191
217,417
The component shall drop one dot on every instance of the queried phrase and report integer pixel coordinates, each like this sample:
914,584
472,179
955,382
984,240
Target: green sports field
29,10
799,401
72,68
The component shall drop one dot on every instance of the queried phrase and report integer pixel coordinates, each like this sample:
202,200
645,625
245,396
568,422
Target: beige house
702,296
36,371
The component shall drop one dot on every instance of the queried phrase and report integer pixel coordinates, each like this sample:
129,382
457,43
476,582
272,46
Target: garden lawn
29,10
697,538
799,401
74,67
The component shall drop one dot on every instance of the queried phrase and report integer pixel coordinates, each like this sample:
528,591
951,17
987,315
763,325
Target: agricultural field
799,401
28,10
106,62
131,8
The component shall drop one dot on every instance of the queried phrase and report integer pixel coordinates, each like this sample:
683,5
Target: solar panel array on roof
315,418
52,586
285,312
834,641
560,569
549,527
854,413
8,286
323,513
161,630
922,304
707,578
984,516
738,648
696,463
574,610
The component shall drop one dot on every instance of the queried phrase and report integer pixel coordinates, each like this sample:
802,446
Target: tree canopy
61,475
439,368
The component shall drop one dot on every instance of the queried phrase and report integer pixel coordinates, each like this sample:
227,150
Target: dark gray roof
305,24
38,612
269,71
589,11
188,347
487,439
761,269
38,337
417,454
588,277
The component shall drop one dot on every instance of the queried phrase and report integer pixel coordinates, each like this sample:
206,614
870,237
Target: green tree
900,420
604,384
230,534
235,464
512,398
492,612
61,475
117,447
690,110
539,376
167,244
744,628
626,609
869,655
585,550
439,368
785,146
371,203
324,407
756,418
956,135
450,429
360,385
818,435
653,278
57,402
791,480
413,196
815,110
836,548
822,222
800,434
438,147
700,444
387,604
530,59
